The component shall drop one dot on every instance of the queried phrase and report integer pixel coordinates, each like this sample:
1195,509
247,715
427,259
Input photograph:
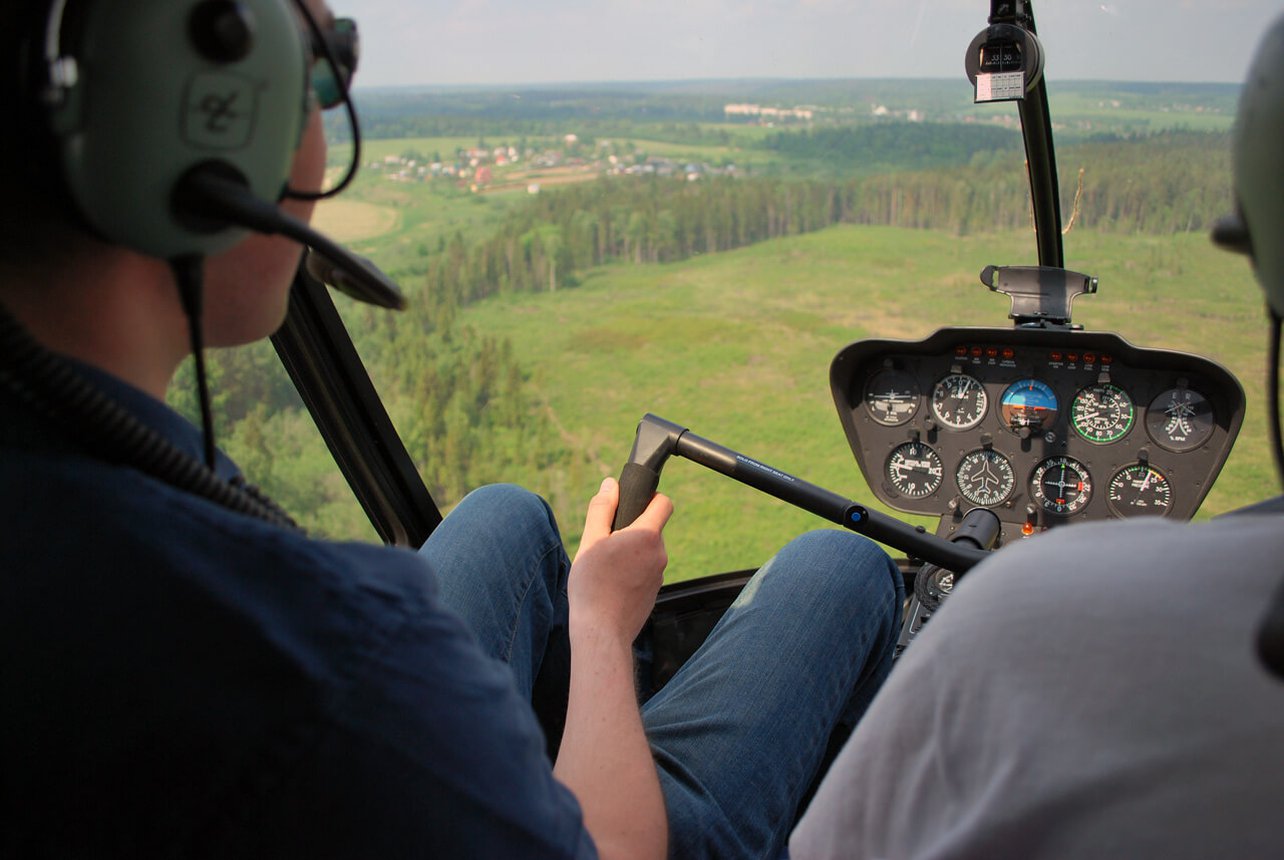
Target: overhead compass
915,470
959,401
1102,413
1140,490
1061,485
1180,419
892,397
985,478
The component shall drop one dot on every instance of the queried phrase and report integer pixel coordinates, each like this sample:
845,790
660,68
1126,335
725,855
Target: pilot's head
118,99
1257,228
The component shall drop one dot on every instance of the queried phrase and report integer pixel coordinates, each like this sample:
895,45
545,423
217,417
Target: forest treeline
1175,182
461,399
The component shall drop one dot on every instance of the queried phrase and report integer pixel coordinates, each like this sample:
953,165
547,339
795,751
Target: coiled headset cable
53,387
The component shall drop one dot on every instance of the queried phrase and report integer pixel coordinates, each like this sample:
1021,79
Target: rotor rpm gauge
1028,403
915,470
985,478
1140,490
1102,413
1180,419
1061,485
959,401
891,397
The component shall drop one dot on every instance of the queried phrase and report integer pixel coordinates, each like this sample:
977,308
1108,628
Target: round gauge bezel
1116,431
936,478
1128,510
1157,416
1045,422
973,384
1008,478
1065,509
903,378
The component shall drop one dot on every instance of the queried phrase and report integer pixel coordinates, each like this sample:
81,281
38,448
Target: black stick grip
637,487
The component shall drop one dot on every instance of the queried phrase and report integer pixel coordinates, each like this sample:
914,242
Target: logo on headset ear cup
149,103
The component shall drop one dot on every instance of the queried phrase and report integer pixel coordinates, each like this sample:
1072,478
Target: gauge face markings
892,397
914,470
1139,490
959,401
1061,485
1102,413
985,478
1028,403
1180,419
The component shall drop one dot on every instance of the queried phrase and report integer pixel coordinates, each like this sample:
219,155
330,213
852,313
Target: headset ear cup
151,101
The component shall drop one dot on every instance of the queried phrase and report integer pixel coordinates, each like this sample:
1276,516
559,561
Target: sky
430,42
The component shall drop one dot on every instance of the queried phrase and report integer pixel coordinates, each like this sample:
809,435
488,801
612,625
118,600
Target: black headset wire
351,109
53,387
189,277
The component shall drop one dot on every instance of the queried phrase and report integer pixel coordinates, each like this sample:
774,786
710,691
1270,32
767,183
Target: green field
737,347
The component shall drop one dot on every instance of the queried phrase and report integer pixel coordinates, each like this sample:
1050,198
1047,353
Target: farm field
737,347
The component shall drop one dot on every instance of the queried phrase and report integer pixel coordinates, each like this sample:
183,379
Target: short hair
41,219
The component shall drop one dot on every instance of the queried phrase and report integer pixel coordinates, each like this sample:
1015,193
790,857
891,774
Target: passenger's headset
1257,228
174,123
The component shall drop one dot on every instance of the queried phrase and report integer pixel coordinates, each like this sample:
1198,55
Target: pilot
1095,692
182,671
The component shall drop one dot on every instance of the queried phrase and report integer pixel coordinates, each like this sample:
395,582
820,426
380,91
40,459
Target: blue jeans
739,733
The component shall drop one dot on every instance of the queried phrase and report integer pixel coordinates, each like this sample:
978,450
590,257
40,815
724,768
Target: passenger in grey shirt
1093,692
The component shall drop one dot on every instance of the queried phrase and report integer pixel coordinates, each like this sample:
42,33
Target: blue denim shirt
177,679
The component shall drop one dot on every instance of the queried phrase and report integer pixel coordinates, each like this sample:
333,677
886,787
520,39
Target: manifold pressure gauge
914,470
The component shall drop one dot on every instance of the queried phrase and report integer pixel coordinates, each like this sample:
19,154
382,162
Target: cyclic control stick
658,439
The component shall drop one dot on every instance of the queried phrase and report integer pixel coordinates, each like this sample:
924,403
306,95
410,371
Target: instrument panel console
1042,426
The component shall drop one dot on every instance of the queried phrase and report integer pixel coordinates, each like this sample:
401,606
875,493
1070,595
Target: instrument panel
1042,426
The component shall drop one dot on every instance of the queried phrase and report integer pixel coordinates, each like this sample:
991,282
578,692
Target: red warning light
1008,353
1055,356
1107,359
976,352
1027,529
1072,357
960,350
1089,358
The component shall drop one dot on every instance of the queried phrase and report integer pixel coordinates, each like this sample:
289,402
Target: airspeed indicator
1102,413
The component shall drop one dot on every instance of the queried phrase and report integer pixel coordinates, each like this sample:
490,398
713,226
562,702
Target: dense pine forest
460,397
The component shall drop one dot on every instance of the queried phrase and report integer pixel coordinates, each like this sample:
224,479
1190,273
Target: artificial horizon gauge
1180,419
1028,403
915,470
1061,485
959,401
1102,413
891,396
985,478
1140,490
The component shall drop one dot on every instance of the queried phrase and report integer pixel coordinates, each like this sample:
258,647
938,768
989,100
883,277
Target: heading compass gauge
1061,485
1102,413
959,401
915,470
1140,490
985,478
1028,403
891,397
1180,419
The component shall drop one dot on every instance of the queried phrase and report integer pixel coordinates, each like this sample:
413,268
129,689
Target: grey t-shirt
1091,692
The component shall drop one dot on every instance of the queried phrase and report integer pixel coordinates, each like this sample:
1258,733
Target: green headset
141,94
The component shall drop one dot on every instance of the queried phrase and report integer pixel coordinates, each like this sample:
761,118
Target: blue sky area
426,42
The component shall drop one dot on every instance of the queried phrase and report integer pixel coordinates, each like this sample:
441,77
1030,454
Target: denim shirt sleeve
426,746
